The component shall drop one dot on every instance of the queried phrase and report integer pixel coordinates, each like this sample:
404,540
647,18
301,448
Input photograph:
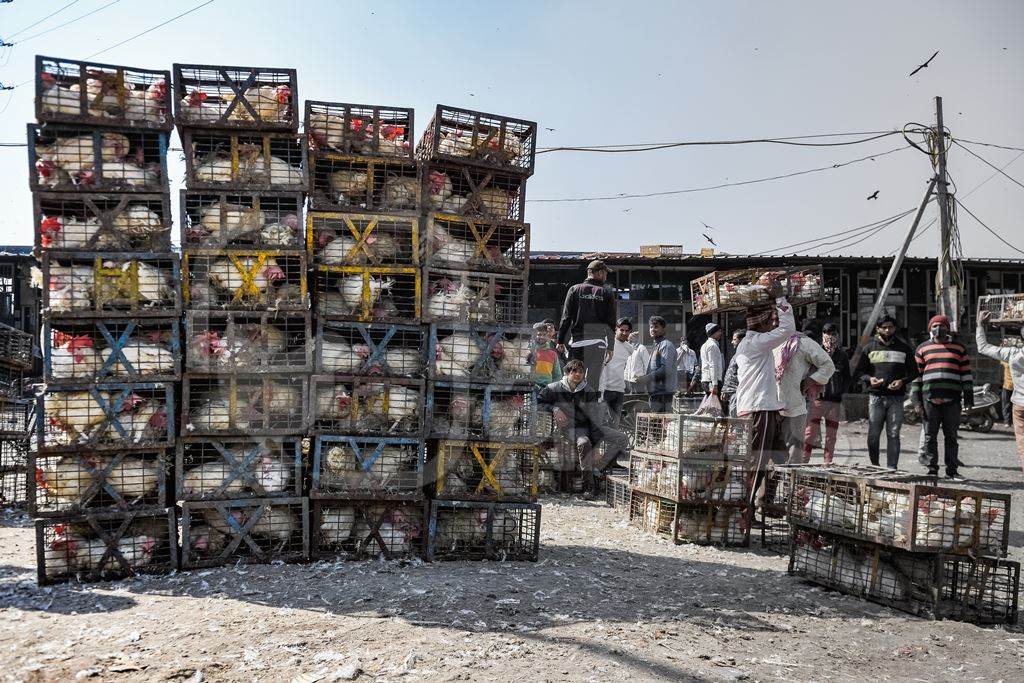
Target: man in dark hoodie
828,404
588,322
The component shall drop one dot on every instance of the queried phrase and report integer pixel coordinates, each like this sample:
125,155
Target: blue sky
612,72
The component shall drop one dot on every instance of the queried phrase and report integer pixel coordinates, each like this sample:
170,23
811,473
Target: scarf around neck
789,350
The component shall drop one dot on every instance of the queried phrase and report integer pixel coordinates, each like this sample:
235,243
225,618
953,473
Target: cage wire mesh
713,524
693,437
687,481
14,470
359,129
111,284
452,242
617,492
371,349
224,97
68,221
216,160
242,405
354,183
979,590
736,290
363,239
84,351
257,341
652,514
495,353
367,467
381,406
271,220
245,280
465,530
364,529
83,482
466,193
106,416
473,297
219,469
462,135
15,417
383,294
491,412
474,470
1003,309
16,348
258,530
95,160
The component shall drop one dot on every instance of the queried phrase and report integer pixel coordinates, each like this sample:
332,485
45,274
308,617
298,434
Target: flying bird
709,239
873,195
925,64
705,225
626,210
550,129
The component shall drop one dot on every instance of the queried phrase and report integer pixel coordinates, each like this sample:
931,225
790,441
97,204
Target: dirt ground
604,601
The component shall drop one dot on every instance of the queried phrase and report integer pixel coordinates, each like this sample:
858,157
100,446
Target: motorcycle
979,418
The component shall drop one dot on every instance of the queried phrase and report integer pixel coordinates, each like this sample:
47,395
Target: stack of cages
16,413
481,403
105,411
903,541
247,330
691,478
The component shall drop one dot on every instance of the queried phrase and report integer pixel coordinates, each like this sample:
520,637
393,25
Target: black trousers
1006,406
944,416
592,356
613,401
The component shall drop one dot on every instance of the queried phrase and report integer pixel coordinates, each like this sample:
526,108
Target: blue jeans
887,411
947,417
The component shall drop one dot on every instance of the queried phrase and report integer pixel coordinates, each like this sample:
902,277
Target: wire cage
248,342
85,482
1004,309
15,418
737,290
245,280
242,97
368,130
67,221
111,284
472,297
377,406
371,349
381,294
253,530
219,160
713,524
14,384
487,412
367,467
652,514
266,220
979,590
501,353
686,405
220,469
63,158
16,347
454,242
341,182
684,481
617,492
94,94
465,136
363,239
693,437
473,530
106,546
86,351
105,417
14,453
466,193
365,529
244,405
474,470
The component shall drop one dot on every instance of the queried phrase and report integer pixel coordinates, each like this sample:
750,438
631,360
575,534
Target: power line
620,149
52,14
866,237
992,144
660,144
996,234
989,164
859,229
149,30
67,23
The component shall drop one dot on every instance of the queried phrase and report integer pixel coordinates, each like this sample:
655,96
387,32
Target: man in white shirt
687,365
802,368
636,366
712,362
613,379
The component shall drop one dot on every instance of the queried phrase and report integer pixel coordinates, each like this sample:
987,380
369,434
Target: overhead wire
860,229
621,149
149,30
52,14
992,144
67,23
988,163
984,225
864,238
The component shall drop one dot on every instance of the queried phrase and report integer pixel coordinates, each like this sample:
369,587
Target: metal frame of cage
106,208
240,518
115,81
485,341
395,529
14,454
245,265
365,229
1005,309
504,296
237,341
406,279
481,243
203,390
721,524
234,81
706,294
202,146
16,417
467,193
233,473
99,478
617,492
685,481
482,481
660,522
111,529
152,145
693,437
14,384
366,185
524,547
486,132
115,335
966,580
438,405
251,207
368,478
362,396
379,340
354,117
115,290
16,347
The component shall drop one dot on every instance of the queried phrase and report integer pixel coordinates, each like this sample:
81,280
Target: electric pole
946,294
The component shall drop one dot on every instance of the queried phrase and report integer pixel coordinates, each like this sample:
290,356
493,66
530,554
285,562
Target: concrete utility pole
945,293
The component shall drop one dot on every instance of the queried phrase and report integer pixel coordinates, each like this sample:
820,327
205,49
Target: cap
938,320
711,328
597,265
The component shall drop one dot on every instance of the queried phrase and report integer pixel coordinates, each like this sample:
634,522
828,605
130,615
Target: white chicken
135,478
147,359
327,129
284,233
333,406
833,510
449,250
278,523
349,187
393,408
70,288
227,277
138,222
221,224
336,524
149,286
401,193
213,477
214,414
505,416
276,171
273,474
448,300
145,424
204,541
60,232
73,357
402,361
68,479
219,170
126,173
77,411
457,354
351,289
272,104
195,108
515,358
56,99
339,356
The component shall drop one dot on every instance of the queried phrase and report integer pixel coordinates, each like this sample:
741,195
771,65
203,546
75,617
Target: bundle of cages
472,297
381,294
370,240
486,412
693,437
105,417
367,467
617,491
1003,309
502,353
471,137
360,529
251,530
217,160
15,347
243,97
220,469
367,130
248,342
684,404
243,405
737,290
63,158
15,417
725,524
340,182
93,94
686,481
471,194
475,470
111,284
66,221
474,530
772,512
266,220
85,482
374,406
367,349
245,280
106,546
14,470
89,350
453,242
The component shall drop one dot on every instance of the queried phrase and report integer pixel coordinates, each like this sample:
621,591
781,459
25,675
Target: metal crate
367,130
248,342
83,352
371,349
979,590
472,297
14,385
245,280
106,546
652,514
221,469
466,193
105,417
94,94
242,97
377,406
15,347
685,481
737,290
454,242
254,530
476,470
383,294
363,239
693,437
488,412
367,467
465,136
265,220
244,162
86,482
1004,309
244,405
617,492
72,158
111,284
14,469
713,524
502,353
341,182
365,529
76,222
465,530
15,418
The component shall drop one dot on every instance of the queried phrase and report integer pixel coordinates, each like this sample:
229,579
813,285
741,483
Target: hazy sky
614,72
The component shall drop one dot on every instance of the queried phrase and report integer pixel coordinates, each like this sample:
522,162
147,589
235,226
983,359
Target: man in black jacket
588,322
829,403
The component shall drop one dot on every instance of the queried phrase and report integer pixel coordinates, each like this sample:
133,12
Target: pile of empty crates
16,359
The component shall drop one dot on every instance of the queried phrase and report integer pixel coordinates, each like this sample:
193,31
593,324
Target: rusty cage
86,351
503,353
264,220
488,412
359,529
219,469
367,467
693,437
617,491
75,222
380,241
111,284
342,182
478,470
244,279
86,483
473,297
248,341
490,140
235,97
16,347
468,530
458,192
455,242
737,290
368,349
1004,309
381,294
252,530
244,405
688,481
366,130
14,470
244,162
375,406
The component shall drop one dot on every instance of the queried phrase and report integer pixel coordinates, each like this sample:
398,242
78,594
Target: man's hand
983,317
607,356
896,384
775,289
714,390
561,419
876,381
560,347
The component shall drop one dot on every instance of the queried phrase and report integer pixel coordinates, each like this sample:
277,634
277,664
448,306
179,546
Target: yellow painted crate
245,280
480,470
384,294
363,239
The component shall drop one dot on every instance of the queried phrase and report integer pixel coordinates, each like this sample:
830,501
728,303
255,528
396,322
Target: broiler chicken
216,477
336,524
135,478
333,406
73,357
339,356
70,288
515,359
351,289
457,354
505,416
214,414
273,474
60,232
69,478
227,277
56,99
204,541
284,233
376,249
222,224
401,193
143,284
390,408
272,104
138,221
195,108
147,359
276,171
402,361
448,300
77,411
147,423
349,187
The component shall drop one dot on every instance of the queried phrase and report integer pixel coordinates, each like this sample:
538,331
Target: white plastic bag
710,406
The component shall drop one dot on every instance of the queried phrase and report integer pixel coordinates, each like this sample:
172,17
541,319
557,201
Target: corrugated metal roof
635,257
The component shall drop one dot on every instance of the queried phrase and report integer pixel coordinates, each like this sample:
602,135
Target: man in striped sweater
945,377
